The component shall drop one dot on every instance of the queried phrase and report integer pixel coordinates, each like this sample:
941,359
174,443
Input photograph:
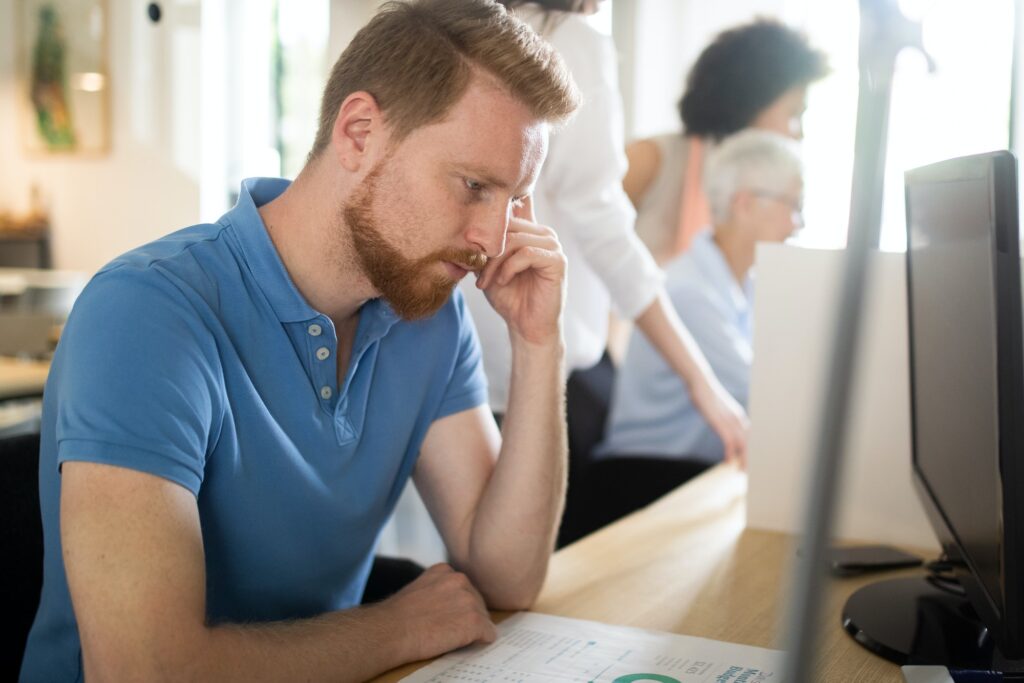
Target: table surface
687,565
21,378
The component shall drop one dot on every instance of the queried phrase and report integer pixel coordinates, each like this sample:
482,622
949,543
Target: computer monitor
967,423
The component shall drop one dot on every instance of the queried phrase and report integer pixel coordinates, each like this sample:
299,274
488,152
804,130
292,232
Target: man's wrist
380,618
551,346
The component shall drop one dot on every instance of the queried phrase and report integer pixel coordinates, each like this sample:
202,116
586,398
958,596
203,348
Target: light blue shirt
652,412
196,359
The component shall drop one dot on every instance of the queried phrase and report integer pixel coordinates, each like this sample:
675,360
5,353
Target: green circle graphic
630,678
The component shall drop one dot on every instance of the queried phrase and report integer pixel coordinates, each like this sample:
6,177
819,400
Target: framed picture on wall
63,76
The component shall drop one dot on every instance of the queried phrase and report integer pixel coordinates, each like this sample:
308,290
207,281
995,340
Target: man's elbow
511,602
505,582
512,595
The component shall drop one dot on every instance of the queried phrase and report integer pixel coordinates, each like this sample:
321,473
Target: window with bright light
602,18
300,73
961,108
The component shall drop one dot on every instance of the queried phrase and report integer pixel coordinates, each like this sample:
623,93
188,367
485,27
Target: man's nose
488,232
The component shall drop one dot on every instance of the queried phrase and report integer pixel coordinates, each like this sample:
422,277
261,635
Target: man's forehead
502,155
507,164
491,129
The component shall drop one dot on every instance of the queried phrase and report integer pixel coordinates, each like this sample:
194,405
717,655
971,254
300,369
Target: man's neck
305,225
737,248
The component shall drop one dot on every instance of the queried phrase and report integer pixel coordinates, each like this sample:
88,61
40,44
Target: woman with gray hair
754,186
656,439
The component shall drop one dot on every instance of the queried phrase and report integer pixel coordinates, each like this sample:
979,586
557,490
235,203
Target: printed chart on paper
539,647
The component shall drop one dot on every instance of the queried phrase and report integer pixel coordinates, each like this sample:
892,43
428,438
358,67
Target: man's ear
359,131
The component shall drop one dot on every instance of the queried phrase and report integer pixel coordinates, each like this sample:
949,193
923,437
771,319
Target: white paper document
539,647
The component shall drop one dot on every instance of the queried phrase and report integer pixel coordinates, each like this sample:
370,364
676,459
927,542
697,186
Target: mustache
463,258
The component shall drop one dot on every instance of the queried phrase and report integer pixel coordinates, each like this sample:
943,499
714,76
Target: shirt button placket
322,353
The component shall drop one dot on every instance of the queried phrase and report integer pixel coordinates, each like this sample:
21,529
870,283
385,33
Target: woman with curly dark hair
755,75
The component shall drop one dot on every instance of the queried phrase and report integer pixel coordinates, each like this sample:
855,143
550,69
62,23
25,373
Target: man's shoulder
169,250
161,279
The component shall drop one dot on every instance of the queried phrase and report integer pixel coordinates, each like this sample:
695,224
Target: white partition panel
793,313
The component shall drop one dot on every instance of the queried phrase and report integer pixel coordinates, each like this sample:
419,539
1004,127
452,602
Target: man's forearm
353,645
514,529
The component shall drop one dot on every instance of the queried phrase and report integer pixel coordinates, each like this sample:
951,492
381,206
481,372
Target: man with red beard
235,408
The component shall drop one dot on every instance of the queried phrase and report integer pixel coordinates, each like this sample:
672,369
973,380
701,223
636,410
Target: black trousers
613,487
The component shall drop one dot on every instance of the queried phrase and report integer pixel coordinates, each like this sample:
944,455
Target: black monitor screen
954,364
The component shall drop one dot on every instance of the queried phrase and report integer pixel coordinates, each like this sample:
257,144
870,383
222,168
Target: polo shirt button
323,353
325,392
314,330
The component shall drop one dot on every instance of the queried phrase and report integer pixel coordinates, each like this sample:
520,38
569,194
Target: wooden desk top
19,378
686,564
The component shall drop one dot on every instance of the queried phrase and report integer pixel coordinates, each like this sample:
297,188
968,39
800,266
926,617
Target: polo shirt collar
376,319
259,252
269,272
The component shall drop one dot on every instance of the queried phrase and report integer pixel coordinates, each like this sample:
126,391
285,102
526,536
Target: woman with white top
579,194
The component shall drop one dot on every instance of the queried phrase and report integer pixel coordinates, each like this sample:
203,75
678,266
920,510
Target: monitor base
910,621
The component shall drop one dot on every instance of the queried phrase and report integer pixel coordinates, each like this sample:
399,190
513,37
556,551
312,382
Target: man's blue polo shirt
196,359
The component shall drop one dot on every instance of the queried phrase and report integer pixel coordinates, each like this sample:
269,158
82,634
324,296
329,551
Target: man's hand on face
526,284
440,611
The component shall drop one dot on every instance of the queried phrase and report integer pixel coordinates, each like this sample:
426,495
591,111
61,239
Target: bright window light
602,19
962,108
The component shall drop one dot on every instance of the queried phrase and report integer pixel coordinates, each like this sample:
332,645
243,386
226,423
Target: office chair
21,537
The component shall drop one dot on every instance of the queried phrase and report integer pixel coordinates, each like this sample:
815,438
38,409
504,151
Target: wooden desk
22,379
687,565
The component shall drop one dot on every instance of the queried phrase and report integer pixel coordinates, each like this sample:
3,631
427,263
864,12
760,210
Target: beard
412,287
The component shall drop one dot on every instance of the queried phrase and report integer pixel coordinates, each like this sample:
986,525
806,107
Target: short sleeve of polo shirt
137,378
467,387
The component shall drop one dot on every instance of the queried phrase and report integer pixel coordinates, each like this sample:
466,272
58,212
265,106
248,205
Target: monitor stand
910,621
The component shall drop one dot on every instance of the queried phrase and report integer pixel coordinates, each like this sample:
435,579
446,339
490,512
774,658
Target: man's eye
473,186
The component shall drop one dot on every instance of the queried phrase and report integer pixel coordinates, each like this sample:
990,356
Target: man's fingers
535,237
519,240
490,631
520,225
542,260
483,630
